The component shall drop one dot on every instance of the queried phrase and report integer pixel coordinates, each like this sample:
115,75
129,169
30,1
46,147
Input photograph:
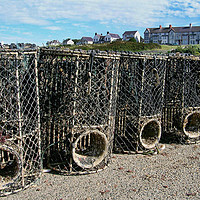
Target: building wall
96,39
127,37
173,38
69,42
146,36
108,38
87,42
137,36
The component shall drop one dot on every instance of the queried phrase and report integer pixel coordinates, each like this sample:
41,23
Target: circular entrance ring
90,148
150,134
10,166
191,125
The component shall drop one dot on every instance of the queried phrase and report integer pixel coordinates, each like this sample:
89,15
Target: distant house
29,46
68,42
110,37
102,39
20,45
173,35
96,38
86,40
13,46
127,35
6,46
23,46
53,43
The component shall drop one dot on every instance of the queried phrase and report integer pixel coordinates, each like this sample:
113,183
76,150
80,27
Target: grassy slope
118,46
137,47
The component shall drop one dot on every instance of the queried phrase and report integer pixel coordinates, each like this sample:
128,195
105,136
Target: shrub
132,40
192,49
119,46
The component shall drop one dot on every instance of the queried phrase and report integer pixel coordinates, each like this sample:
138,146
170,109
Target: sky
39,21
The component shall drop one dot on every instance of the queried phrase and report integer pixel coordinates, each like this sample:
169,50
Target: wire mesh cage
20,160
78,97
182,101
140,102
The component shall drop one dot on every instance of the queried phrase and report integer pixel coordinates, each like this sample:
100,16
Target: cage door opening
90,148
10,166
191,125
150,134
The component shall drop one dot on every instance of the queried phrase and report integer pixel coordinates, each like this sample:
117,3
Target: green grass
118,46
138,47
168,47
191,49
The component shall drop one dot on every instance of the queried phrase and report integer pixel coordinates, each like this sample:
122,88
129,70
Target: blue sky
38,21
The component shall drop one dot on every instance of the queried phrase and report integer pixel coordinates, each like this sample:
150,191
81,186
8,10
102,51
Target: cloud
138,12
80,25
39,12
27,33
185,8
53,28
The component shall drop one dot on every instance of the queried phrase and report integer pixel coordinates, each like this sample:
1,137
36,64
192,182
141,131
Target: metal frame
20,153
78,102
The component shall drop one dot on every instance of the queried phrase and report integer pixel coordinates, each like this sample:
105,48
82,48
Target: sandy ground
172,174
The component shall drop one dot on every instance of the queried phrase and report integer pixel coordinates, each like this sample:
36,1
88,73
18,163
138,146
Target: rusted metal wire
20,160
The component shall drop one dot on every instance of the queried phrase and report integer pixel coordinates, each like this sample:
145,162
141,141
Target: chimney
108,32
170,26
160,26
190,25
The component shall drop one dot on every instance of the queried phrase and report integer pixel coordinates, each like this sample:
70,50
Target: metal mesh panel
140,101
181,110
78,98
19,121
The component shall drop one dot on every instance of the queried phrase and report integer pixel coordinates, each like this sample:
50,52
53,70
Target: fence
20,161
140,102
78,101
182,101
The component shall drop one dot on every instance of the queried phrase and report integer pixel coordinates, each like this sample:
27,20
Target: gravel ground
172,174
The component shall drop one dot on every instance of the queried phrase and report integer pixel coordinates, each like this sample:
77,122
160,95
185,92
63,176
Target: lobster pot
173,100
140,102
78,103
20,160
182,99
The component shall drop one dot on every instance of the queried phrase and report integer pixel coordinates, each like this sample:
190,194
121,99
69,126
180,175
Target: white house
96,38
127,35
68,42
53,43
110,37
173,35
86,40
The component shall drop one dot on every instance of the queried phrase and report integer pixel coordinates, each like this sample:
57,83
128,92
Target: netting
86,104
140,102
20,160
181,109
78,102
